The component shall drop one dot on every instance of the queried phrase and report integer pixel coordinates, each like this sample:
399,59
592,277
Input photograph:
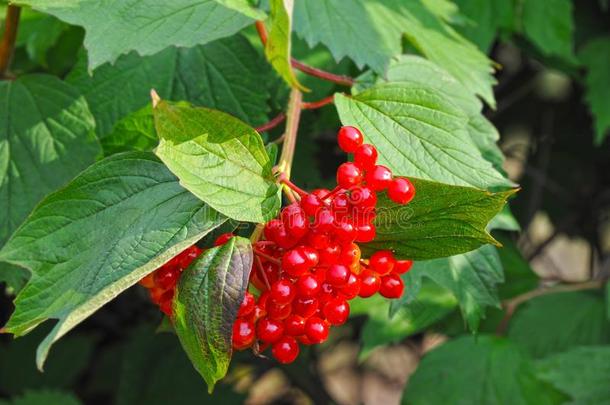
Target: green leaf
46,138
608,300
555,322
440,221
112,225
207,299
419,133
472,278
145,26
66,364
244,7
14,277
505,220
595,55
370,34
135,132
44,397
581,372
432,304
155,371
550,26
218,158
38,33
520,277
483,370
277,48
227,74
485,19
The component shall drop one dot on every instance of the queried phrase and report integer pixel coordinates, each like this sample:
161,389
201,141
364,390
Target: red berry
311,203
362,197
324,220
366,233
330,254
184,259
350,254
348,174
308,285
382,262
166,277
258,313
297,261
222,239
243,334
275,231
378,178
247,305
285,350
392,286
294,325
318,240
282,292
278,312
340,206
269,330
295,221
345,231
336,311
365,157
352,288
316,329
148,281
369,283
349,139
402,266
401,191
305,307
337,275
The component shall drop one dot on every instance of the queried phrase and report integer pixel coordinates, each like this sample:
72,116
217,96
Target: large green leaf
485,19
477,370
135,131
278,46
582,372
595,55
432,304
441,221
38,33
549,25
44,397
227,74
556,322
207,299
46,138
370,34
218,158
147,26
116,222
419,133
471,277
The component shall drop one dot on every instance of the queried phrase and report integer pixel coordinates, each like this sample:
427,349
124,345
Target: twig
290,134
511,305
317,104
7,46
277,120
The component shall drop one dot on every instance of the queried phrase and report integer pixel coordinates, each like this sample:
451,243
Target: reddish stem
262,31
7,46
267,257
318,104
332,193
284,180
272,124
259,264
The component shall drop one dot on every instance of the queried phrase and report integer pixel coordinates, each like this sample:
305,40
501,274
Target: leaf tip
154,96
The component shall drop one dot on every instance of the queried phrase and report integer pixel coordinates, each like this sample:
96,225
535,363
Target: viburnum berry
337,275
324,220
330,254
294,325
285,350
402,266
295,220
282,292
308,285
350,254
365,156
247,305
305,307
269,330
378,178
369,283
391,286
362,197
222,239
318,241
366,233
401,191
299,260
349,139
345,231
316,329
243,334
336,311
351,289
348,174
382,262
278,312
166,277
311,203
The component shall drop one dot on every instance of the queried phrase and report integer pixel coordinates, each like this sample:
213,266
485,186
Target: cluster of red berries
309,265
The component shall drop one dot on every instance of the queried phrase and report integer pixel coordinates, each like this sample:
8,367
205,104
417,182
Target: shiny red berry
345,231
392,286
330,254
275,231
278,312
318,240
366,233
324,221
402,266
351,289
311,203
308,285
378,178
243,334
282,292
285,350
382,262
340,206
295,221
348,174
349,139
305,307
365,157
269,330
297,261
247,305
401,190
166,277
362,197
294,325
369,283
222,239
350,254
336,311
316,329
337,275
